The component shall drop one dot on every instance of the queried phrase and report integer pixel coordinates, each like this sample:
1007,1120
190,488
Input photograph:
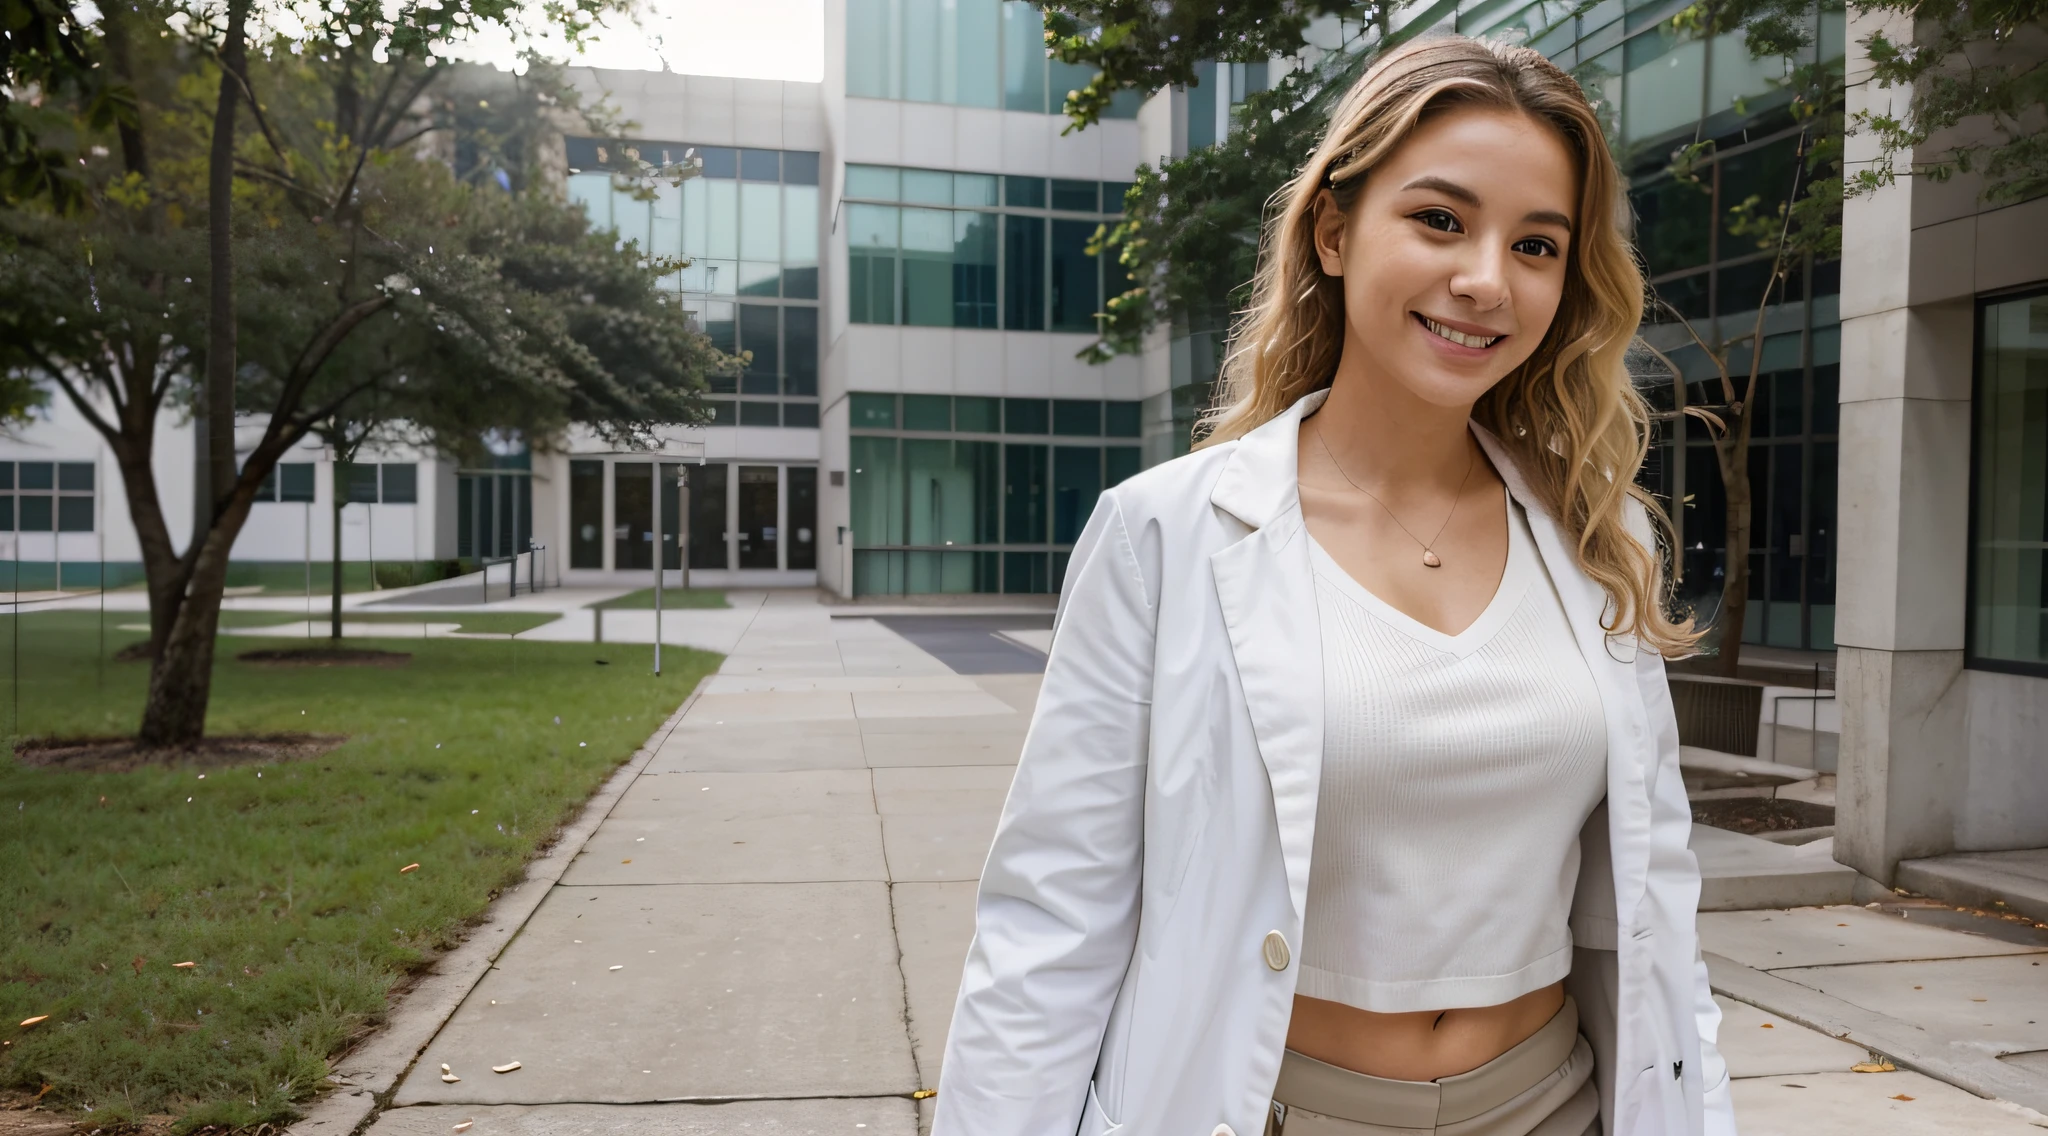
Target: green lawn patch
671,598
280,881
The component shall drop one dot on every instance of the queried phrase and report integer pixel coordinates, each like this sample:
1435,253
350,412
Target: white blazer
1133,965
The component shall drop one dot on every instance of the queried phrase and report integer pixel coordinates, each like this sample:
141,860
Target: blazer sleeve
1057,916
1671,855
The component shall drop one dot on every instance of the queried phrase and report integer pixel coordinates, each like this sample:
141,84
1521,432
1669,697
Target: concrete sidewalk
765,935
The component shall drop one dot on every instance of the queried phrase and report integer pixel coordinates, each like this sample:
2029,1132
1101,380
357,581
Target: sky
752,39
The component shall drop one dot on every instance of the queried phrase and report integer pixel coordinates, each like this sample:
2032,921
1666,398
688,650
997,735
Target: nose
1482,278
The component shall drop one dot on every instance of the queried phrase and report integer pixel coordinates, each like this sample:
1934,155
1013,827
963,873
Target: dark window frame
1971,659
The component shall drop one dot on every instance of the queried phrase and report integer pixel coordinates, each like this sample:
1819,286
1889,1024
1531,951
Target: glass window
1119,462
74,477
803,516
6,514
1075,283
360,480
1674,224
760,414
1077,417
872,236
1024,192
1024,494
799,167
1077,196
719,325
760,222
593,191
722,220
927,412
871,66
720,161
872,411
2009,569
720,412
800,350
974,189
1026,416
1113,195
35,514
295,481
876,506
1063,79
707,515
38,475
74,514
6,475
1120,419
1662,90
883,183
760,165
800,225
800,414
923,49
401,483
974,269
586,514
974,415
1734,74
1202,107
928,266
1762,176
761,333
1076,482
666,237
1023,57
1026,572
972,74
928,187
1024,271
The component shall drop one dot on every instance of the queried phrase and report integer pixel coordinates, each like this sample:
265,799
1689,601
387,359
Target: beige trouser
1542,1087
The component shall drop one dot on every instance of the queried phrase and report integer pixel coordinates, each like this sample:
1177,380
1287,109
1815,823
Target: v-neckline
1514,583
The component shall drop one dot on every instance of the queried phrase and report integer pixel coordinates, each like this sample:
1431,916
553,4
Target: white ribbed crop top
1457,772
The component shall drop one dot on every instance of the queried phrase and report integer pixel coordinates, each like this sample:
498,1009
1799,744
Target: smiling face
1453,254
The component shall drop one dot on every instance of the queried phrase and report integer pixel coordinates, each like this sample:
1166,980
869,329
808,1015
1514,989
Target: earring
1521,431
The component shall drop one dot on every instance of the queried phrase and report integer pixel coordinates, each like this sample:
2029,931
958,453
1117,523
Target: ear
1329,227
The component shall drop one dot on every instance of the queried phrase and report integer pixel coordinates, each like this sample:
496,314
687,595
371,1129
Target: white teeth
1459,337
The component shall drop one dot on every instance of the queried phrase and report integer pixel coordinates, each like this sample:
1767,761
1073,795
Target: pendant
1429,559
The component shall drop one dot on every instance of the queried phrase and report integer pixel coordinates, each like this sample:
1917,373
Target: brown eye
1439,219
1535,246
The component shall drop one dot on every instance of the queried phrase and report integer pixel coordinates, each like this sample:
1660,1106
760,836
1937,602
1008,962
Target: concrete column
1904,527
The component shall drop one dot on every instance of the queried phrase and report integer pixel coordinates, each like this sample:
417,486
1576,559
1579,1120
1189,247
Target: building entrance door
758,531
632,516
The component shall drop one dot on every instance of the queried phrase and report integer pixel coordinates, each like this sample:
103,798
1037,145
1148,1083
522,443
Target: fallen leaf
137,964
1874,1067
184,965
1980,999
409,868
507,1067
449,1078
625,861
445,1068
1768,1025
1901,1096
463,1125
38,1018
621,966
924,1094
47,1086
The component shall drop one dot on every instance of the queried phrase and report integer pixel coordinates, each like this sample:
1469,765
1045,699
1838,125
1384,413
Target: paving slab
1020,691
1867,1104
724,991
942,790
950,747
710,827
794,706
971,703
1835,935
1998,1005
939,846
852,684
1757,1043
934,927
844,1117
762,746
1742,873
2035,1062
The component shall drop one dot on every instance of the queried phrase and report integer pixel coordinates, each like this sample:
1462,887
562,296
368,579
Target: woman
1352,802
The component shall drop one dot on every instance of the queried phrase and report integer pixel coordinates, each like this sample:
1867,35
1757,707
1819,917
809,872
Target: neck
1383,435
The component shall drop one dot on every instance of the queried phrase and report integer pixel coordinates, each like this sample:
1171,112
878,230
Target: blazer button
1275,950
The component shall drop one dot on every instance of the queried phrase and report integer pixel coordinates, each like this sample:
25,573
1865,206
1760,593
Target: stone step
1743,873
1705,769
2016,881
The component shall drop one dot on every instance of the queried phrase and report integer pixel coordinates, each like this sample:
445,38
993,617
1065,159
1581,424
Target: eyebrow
1458,192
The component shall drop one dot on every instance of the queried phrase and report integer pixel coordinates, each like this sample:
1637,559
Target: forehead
1505,157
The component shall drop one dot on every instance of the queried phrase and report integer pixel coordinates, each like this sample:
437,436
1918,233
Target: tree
362,273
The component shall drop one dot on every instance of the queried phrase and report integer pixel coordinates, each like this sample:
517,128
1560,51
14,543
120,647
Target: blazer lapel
1612,661
1267,596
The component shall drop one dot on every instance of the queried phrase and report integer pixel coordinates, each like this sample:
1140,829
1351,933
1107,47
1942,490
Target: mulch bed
119,755
325,657
1761,814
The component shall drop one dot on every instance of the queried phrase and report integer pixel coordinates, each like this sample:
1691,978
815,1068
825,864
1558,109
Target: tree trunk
217,435
181,677
1732,454
334,611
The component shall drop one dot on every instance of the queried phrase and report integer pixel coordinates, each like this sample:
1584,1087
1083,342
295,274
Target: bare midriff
1420,1046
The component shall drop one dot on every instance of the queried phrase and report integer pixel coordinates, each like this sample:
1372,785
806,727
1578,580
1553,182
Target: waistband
1332,1091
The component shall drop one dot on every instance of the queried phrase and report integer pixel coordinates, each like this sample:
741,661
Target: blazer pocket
1095,1122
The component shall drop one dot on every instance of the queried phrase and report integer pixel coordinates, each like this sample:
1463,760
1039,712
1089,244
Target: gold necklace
1429,557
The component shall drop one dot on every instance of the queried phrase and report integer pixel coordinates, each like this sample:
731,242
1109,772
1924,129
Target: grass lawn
280,881
671,599
471,622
